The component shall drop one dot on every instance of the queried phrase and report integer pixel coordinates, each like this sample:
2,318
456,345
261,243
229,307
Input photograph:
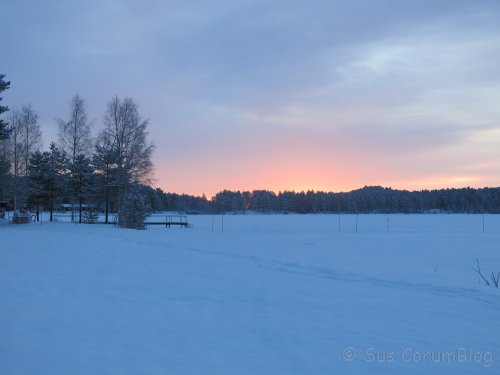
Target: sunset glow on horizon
198,181
319,166
321,95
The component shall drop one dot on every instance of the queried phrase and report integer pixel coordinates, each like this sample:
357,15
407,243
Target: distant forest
370,199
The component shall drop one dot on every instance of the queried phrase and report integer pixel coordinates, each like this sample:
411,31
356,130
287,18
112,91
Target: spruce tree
55,174
135,209
47,176
90,217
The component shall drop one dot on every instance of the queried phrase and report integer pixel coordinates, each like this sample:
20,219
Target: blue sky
329,95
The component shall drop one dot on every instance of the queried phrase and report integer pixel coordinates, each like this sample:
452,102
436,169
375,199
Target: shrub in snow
134,210
90,217
494,279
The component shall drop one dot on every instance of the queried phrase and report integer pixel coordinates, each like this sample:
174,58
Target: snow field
272,294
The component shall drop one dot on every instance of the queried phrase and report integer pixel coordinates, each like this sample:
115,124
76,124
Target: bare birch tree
31,134
74,133
16,152
125,137
25,139
4,135
75,140
5,167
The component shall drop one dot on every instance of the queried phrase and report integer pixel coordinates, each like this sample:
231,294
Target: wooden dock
170,220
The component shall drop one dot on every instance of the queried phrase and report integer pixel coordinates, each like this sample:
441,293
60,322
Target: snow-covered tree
90,217
135,209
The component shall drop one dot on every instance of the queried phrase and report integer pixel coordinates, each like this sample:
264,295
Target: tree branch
478,270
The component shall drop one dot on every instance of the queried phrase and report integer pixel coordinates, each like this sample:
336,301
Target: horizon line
209,197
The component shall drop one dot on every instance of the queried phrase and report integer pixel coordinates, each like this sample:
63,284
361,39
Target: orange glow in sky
303,161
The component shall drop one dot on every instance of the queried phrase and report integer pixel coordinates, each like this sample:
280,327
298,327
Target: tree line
110,169
370,199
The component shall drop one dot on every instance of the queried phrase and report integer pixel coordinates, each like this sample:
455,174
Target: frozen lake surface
272,294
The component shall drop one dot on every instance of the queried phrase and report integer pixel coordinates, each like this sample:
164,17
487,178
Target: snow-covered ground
272,294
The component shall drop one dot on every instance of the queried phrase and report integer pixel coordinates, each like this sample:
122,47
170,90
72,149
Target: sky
325,95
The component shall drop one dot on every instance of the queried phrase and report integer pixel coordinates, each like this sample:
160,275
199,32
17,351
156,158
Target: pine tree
55,174
4,85
36,179
81,180
47,176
